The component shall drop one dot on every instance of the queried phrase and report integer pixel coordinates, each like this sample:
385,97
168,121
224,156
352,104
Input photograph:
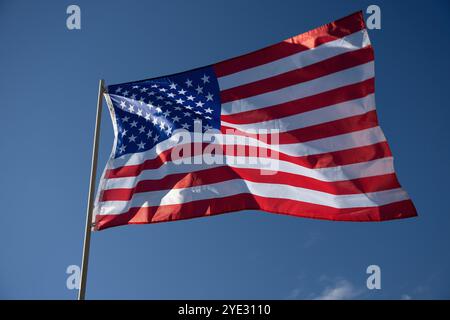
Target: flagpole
90,206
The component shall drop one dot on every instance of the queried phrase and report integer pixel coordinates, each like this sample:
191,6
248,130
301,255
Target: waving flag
295,124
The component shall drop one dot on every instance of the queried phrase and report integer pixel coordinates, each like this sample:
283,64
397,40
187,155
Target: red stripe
201,208
324,99
225,173
308,40
349,156
308,73
319,131
323,160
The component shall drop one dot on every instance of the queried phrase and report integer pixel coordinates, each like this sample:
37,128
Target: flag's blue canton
148,112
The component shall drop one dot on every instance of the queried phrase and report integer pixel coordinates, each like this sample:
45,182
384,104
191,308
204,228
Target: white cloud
341,290
295,294
335,289
311,239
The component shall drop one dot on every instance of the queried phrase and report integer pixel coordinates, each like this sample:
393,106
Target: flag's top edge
356,16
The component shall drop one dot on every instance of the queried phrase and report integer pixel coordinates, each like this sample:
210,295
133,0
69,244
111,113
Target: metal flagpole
90,207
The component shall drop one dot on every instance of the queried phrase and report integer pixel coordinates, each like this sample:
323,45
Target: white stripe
335,143
102,183
239,186
330,174
310,118
329,82
299,60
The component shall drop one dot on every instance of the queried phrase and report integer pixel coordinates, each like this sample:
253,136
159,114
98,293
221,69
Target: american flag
315,90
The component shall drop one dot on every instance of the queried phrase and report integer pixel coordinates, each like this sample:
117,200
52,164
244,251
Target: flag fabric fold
289,129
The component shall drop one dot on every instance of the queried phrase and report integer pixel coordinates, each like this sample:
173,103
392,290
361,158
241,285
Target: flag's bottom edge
146,215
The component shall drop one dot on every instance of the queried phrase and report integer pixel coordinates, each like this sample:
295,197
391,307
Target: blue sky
48,84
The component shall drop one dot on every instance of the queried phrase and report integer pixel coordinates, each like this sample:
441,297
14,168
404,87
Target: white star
125,119
131,108
156,138
144,89
141,101
205,78
199,89
155,121
142,129
208,117
197,112
162,125
169,131
123,133
207,127
186,126
166,114
118,89
141,145
208,110
177,108
168,103
149,134
158,109
132,138
173,86
179,101
175,119
199,104
189,107
133,96
154,86
125,93
182,91
188,83
187,114
151,93
135,87
133,124
122,104
159,97
209,97
122,148
163,89
150,105
148,116
139,112
171,95
190,97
